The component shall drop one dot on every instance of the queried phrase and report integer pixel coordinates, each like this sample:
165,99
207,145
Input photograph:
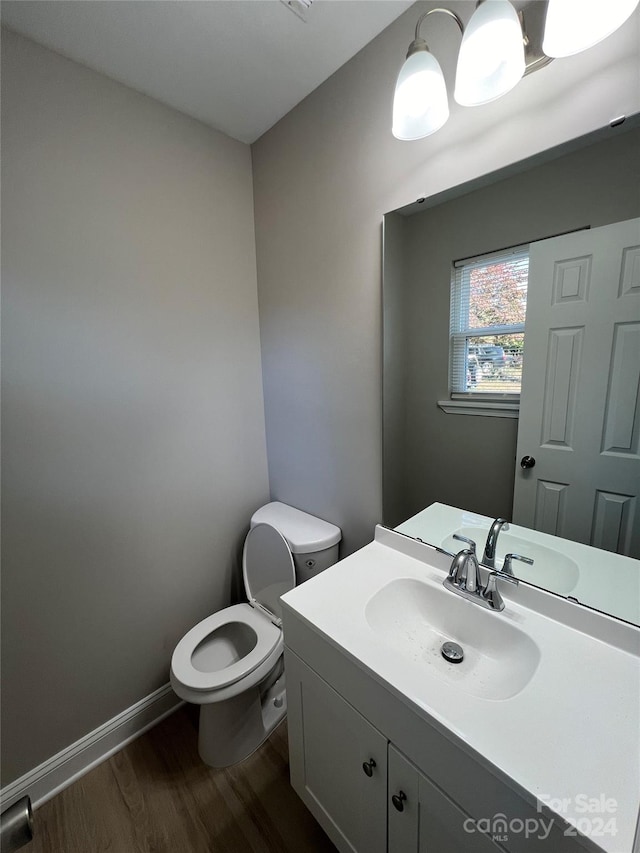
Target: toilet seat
268,640
206,668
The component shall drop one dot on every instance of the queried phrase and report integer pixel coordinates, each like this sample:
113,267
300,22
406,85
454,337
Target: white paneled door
578,452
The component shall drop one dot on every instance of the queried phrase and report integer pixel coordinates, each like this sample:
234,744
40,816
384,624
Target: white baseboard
50,777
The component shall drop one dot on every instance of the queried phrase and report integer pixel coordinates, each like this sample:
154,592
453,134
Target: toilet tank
313,542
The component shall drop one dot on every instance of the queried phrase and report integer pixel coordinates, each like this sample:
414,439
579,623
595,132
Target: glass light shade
491,58
575,25
420,103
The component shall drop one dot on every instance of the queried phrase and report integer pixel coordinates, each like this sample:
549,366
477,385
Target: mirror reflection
456,428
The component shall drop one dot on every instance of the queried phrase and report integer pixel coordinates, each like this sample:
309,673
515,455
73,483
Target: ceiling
237,65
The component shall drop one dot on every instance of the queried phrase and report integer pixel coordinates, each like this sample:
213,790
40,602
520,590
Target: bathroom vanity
532,743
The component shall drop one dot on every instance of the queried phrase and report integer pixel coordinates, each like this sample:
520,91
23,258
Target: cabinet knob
398,800
368,766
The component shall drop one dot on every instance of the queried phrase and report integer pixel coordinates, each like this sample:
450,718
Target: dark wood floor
156,796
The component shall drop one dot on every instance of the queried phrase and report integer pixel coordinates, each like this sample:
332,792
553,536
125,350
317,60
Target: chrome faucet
489,556
464,578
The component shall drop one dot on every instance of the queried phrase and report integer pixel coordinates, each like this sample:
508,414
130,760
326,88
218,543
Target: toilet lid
268,568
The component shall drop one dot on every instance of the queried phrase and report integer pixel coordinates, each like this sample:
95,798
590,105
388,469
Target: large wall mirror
471,460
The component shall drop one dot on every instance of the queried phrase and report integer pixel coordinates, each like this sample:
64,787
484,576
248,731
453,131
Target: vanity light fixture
499,46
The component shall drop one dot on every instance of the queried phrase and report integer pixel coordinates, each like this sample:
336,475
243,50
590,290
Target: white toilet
231,663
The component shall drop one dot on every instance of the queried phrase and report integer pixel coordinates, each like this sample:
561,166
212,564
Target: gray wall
465,460
323,178
133,423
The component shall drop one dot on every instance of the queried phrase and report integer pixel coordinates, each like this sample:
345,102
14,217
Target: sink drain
452,652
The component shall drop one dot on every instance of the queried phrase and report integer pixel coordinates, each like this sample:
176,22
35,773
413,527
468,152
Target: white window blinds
488,308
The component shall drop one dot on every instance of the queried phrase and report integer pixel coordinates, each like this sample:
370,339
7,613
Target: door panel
612,524
622,413
561,382
549,507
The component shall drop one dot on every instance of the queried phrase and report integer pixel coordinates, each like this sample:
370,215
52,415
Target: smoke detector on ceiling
299,8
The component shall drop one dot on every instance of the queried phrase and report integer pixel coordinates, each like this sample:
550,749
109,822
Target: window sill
485,408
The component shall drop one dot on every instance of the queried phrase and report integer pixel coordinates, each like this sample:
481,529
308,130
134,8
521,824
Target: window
488,307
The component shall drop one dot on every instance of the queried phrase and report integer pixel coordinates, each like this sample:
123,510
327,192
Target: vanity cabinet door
403,803
425,820
442,825
338,762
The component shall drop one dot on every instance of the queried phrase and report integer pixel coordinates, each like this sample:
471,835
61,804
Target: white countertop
572,731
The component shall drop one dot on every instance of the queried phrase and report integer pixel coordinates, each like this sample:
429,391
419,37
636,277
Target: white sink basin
416,618
551,569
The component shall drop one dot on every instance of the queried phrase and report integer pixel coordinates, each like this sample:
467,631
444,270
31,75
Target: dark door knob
398,800
527,462
368,766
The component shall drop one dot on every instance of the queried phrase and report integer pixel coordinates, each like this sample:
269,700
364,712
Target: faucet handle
498,573
470,542
491,593
506,566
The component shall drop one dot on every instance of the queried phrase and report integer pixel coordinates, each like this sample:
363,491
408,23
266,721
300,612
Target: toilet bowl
231,663
227,652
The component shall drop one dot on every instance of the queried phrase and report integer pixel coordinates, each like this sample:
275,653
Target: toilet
231,663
